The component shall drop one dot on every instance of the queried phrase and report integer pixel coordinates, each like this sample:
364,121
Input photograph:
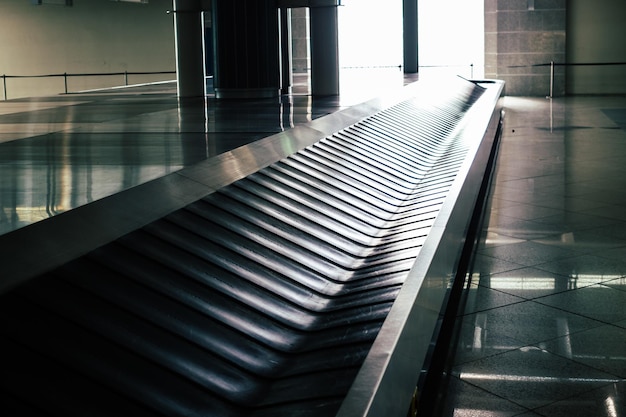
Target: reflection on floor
62,152
543,330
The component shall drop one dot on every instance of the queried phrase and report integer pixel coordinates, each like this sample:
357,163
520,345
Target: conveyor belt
261,299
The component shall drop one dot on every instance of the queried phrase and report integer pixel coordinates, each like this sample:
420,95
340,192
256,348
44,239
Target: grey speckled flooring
543,329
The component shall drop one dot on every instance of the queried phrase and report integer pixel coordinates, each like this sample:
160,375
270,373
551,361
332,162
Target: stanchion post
551,78
125,77
4,84
65,81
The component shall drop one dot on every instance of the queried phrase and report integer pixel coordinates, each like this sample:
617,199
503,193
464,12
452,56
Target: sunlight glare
451,35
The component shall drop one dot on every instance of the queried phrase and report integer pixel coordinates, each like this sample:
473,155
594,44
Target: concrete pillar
522,37
324,51
285,51
247,56
189,39
300,40
410,36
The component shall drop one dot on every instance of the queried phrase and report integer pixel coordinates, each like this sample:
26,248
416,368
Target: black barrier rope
65,76
553,64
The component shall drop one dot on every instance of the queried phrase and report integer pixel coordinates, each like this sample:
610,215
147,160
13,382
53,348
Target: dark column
285,51
324,51
247,63
410,36
189,34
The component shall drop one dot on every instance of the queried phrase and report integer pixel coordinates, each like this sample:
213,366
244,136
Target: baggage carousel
302,275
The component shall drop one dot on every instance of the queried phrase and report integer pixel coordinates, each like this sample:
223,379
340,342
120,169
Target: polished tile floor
543,329
58,153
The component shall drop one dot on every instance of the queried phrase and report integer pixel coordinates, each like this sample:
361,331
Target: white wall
92,36
596,31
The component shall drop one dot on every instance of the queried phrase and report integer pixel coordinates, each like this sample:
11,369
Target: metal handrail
66,75
553,64
573,64
471,67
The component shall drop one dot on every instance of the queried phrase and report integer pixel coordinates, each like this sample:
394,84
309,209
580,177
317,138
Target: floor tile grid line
597,323
503,402
521,347
539,267
591,241
531,301
547,411
617,378
540,346
551,212
522,411
525,409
